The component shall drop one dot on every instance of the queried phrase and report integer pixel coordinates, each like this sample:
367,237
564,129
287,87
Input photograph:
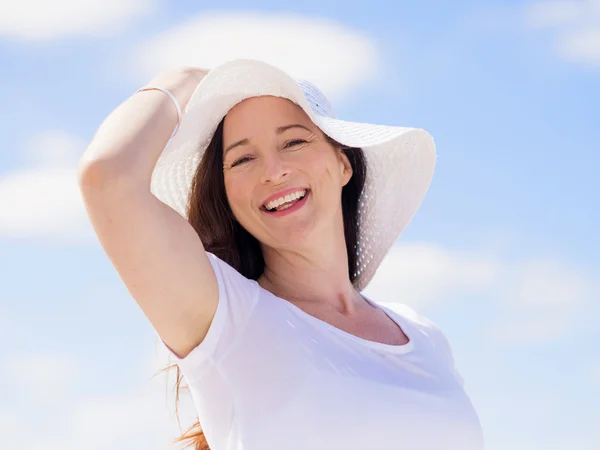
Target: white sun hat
400,161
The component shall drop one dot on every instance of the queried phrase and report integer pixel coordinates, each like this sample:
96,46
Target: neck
314,277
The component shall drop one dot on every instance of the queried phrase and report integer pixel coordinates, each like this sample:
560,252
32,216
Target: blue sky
503,254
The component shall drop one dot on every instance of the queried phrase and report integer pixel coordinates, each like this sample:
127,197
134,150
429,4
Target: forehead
262,114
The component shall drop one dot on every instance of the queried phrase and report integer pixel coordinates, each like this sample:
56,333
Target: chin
292,236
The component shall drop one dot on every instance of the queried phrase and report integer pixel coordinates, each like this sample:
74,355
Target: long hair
221,234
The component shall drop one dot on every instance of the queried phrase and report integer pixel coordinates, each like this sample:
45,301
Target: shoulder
428,328
418,321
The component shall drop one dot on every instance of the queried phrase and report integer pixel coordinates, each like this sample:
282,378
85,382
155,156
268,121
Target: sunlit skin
305,251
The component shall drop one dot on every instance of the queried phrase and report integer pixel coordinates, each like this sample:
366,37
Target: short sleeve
238,296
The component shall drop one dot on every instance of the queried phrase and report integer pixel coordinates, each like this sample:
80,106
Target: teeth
288,198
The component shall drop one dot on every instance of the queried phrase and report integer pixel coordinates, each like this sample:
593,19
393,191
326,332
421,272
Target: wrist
173,100
181,83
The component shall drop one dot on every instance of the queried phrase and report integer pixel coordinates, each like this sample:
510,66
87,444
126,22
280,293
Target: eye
294,142
241,160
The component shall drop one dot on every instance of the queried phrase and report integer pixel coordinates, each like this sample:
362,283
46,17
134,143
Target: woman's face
282,176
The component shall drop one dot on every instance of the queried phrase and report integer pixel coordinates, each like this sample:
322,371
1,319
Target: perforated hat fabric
400,161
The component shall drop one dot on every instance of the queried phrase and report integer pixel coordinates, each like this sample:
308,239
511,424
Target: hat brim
400,160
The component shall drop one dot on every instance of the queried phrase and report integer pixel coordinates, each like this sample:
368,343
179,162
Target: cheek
238,193
316,163
325,170
234,193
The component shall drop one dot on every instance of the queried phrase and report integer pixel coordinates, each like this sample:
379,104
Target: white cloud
543,297
13,429
42,200
41,203
581,46
555,13
53,148
44,378
135,421
548,283
334,57
140,418
424,274
536,299
38,20
577,24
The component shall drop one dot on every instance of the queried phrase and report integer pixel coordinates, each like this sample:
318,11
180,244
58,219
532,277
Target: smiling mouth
285,202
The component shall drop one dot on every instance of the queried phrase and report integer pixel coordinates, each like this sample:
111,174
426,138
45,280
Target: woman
247,242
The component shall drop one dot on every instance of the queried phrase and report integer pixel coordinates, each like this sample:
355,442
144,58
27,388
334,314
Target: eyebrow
278,131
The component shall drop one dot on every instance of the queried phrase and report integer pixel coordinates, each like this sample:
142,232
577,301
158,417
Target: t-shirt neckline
390,348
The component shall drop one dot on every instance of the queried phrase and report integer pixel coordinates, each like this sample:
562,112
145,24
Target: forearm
131,139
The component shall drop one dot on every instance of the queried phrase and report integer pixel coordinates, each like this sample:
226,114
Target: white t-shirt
269,376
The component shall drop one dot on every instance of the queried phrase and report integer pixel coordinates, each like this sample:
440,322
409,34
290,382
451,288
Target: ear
345,167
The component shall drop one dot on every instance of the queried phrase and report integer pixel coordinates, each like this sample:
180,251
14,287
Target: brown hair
211,216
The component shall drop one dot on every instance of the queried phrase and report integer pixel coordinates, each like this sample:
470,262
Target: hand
181,82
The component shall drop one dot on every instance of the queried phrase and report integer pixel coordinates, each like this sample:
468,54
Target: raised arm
156,252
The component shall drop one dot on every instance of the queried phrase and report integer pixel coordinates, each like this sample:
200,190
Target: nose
274,169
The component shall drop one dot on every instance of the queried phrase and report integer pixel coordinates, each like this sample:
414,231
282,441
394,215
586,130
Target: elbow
99,176
102,169
91,174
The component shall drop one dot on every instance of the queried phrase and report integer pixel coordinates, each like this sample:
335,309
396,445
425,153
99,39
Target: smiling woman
246,243
213,216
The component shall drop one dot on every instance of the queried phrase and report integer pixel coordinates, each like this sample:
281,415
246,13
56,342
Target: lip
299,204
282,194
